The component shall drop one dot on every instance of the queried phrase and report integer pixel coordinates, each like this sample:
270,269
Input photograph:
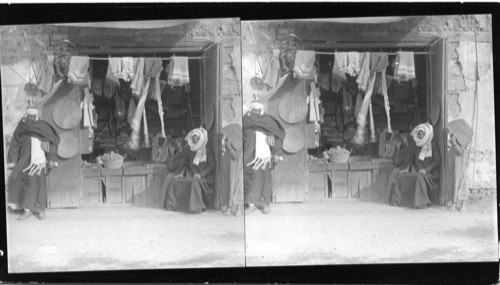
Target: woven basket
117,163
339,158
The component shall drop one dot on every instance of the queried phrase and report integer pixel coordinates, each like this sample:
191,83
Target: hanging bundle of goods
338,155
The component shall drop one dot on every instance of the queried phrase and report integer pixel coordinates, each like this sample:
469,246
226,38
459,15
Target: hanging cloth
114,71
78,69
146,132
324,81
109,89
364,71
339,66
136,120
153,68
178,71
131,111
272,72
303,64
372,125
160,105
359,102
378,63
87,110
127,68
61,66
99,70
336,83
314,101
138,80
353,66
47,76
405,65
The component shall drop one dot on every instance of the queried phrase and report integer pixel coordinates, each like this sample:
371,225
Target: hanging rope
474,110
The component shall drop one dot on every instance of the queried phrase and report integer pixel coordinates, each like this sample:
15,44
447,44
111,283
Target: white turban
200,146
425,142
31,112
257,106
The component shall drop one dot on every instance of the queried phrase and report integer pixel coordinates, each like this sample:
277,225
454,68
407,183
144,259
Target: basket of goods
112,160
338,155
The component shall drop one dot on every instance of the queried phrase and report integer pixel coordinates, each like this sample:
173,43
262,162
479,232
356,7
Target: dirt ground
354,232
334,232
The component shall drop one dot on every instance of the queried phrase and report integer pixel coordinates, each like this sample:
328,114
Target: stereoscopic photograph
216,143
123,145
382,140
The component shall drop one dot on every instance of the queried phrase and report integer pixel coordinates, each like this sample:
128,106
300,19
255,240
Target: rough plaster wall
231,82
482,170
227,34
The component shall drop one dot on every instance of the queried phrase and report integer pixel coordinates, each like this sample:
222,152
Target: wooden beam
141,51
361,46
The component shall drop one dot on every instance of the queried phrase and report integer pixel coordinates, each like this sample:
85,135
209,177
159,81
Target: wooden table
139,185
363,177
367,179
317,180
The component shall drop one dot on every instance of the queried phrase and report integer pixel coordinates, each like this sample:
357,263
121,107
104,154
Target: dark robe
25,191
401,160
258,183
416,190
189,194
176,164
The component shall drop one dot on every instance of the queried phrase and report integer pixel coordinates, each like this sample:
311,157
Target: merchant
263,140
231,166
193,192
419,187
401,159
32,153
176,164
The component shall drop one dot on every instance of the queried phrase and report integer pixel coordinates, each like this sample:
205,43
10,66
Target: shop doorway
184,108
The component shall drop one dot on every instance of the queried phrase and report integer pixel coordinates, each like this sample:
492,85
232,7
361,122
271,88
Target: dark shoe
266,210
250,209
25,215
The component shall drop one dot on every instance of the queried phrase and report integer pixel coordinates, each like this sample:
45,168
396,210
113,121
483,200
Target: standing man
263,140
32,153
459,138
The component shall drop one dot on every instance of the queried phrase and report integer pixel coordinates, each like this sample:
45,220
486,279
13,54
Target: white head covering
200,146
258,106
32,112
425,142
